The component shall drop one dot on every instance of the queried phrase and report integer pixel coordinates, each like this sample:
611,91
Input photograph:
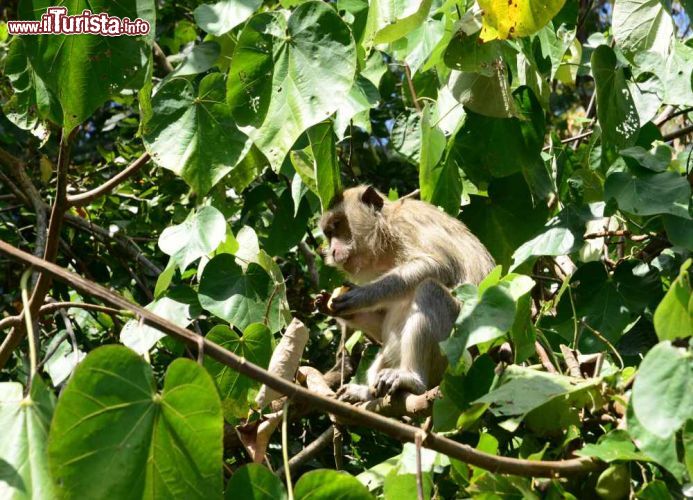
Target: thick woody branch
50,252
393,428
88,196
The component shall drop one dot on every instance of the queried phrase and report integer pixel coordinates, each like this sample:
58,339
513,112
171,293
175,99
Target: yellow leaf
515,18
46,167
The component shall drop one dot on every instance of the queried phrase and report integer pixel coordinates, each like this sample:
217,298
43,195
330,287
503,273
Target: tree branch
43,283
88,196
393,428
678,133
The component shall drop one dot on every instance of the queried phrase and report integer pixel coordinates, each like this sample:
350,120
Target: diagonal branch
85,198
394,428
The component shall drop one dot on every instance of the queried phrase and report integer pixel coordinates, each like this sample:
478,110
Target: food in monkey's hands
323,302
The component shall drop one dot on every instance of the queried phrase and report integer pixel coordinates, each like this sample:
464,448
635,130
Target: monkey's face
335,227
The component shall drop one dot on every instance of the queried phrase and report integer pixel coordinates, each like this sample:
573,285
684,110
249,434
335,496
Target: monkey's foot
354,393
390,380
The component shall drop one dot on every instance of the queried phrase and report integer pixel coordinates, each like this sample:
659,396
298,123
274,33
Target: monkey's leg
357,393
430,319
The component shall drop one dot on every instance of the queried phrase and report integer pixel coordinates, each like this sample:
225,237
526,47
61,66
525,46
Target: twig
85,198
663,119
678,133
413,195
160,59
606,341
570,361
544,357
578,137
415,99
310,451
664,116
337,440
391,427
620,233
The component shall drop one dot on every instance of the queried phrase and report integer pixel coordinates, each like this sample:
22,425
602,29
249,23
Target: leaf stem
285,449
23,284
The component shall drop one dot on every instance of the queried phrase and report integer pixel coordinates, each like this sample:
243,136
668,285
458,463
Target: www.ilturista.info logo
56,21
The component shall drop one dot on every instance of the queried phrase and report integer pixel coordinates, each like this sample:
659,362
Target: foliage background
559,132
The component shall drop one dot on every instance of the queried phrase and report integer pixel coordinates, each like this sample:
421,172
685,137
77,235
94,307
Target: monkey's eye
328,232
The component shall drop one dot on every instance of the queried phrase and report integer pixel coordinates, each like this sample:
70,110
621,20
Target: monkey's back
425,231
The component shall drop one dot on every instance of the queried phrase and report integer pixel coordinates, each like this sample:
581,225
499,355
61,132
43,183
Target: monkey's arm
395,284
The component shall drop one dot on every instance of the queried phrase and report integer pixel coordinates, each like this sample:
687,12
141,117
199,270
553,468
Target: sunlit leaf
286,74
114,436
192,132
503,19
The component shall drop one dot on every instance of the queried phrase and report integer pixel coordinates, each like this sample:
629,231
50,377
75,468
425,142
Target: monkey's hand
356,298
390,380
354,393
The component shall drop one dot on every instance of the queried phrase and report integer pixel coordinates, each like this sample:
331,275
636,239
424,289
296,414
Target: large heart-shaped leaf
141,338
618,116
642,25
255,346
200,234
83,71
287,75
327,180
114,436
24,423
237,297
193,134
503,19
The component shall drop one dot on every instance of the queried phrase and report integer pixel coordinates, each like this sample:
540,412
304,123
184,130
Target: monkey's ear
371,197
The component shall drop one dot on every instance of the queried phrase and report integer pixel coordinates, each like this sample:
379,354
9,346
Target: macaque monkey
404,257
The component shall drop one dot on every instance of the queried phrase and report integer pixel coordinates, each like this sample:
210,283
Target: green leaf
503,19
616,445
83,71
223,16
618,116
663,390
141,338
355,107
468,53
642,25
674,72
525,389
661,450
288,226
476,145
440,181
114,436
406,136
679,231
330,484
417,46
286,75
561,235
643,192
322,143
486,95
237,297
198,236
23,441
32,100
657,161
481,319
237,391
201,58
193,134
256,482
506,218
389,20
